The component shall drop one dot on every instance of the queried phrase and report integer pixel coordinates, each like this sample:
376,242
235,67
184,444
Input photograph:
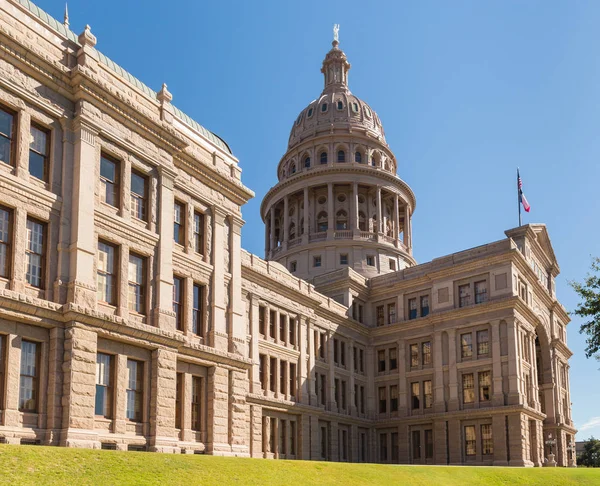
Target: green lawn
54,465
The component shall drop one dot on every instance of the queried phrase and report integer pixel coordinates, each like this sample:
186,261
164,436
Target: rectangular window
470,440
362,399
382,399
464,295
293,266
416,444
28,385
466,345
272,318
424,305
344,259
379,314
485,384
317,261
196,403
198,310
393,359
381,360
282,328
178,302
292,331
2,369
179,223
383,447
293,378
39,150
293,438
483,343
395,449
412,308
139,196
415,392
487,444
137,286
468,385
178,399
261,320
429,444
426,353
342,353
106,278
414,355
323,384
391,308
370,261
104,385
394,398
272,372
7,122
392,265
282,376
135,390
110,181
5,235
343,395
361,360
427,394
199,233
35,253
262,371
480,292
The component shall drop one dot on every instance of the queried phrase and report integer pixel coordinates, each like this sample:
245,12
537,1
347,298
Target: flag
522,198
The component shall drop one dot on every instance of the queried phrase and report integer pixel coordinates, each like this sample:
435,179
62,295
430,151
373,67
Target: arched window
341,220
310,112
302,226
322,221
340,105
358,157
323,157
373,161
306,162
341,156
355,107
293,169
292,231
362,221
324,107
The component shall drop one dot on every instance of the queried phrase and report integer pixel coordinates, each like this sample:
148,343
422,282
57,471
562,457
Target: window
393,359
272,373
424,306
198,310
342,353
358,157
261,319
427,394
412,308
137,286
464,295
383,455
344,259
468,388
39,150
379,315
414,355
28,383
272,318
480,292
391,308
322,222
485,383
416,444
293,377
426,351
487,444
6,136
324,107
262,371
323,158
282,332
104,385
317,261
341,156
466,345
179,223
106,278
310,112
470,441
35,253
178,302
394,398
483,343
5,235
199,233
415,393
196,403
109,181
341,221
355,107
382,399
139,196
293,266
428,444
381,360
370,261
340,105
134,392
307,162
178,399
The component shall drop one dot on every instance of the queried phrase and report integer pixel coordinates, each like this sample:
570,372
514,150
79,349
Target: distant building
131,318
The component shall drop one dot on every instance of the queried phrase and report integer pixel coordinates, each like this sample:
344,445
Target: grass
53,465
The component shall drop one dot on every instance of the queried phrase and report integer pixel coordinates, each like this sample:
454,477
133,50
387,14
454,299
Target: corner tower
338,201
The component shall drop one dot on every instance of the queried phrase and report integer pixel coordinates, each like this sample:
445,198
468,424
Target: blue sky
466,90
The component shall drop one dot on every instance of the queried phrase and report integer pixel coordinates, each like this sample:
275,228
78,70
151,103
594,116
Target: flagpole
518,196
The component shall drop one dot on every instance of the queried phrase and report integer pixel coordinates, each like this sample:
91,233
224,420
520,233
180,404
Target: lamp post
572,456
550,462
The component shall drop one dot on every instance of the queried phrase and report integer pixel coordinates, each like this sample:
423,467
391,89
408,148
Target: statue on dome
336,30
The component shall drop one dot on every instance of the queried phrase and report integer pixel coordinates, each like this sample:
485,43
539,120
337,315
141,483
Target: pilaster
163,435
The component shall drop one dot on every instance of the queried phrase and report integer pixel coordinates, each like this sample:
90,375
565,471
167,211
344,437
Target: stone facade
131,318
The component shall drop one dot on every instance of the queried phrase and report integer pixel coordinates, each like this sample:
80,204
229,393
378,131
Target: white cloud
590,424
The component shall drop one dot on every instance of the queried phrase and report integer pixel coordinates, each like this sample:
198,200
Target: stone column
534,381
498,394
254,339
350,360
330,210
22,150
355,206
237,338
13,376
402,398
310,372
439,403
218,411
499,438
238,390
514,394
267,239
163,435
331,403
55,385
453,400
18,257
306,234
303,387
396,222
379,211
273,242
119,387
406,226
286,222
218,335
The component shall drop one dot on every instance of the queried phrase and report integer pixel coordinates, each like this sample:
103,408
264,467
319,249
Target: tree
590,457
589,308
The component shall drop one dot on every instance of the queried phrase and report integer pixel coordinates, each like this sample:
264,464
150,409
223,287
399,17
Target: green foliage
591,454
589,308
38,465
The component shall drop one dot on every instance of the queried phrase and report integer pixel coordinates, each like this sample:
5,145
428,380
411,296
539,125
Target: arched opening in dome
310,112
362,221
306,162
324,107
323,158
322,222
358,157
341,156
340,105
355,107
292,231
293,169
341,220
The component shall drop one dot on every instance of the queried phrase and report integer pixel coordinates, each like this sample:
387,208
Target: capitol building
132,319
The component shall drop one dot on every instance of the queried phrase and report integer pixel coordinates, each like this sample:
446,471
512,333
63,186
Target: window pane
35,250
138,184
468,388
6,122
108,169
28,378
37,165
38,141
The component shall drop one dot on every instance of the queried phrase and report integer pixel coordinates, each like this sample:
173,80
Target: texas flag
522,198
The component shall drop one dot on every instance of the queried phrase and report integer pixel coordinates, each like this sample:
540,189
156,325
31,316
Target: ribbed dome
336,105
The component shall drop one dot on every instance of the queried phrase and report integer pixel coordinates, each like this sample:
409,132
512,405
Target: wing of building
131,318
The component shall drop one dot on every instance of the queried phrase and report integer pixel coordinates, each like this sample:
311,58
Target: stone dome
336,106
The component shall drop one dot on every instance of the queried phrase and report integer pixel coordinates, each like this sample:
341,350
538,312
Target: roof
113,66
